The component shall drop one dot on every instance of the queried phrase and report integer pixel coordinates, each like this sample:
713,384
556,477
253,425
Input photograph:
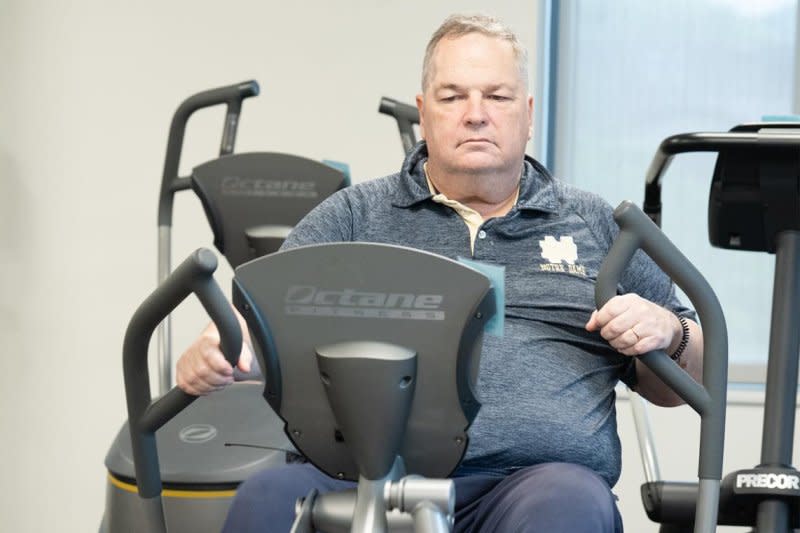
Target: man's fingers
613,308
203,369
212,368
215,361
245,358
592,324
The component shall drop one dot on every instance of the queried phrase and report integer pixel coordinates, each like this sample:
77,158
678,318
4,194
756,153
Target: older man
544,451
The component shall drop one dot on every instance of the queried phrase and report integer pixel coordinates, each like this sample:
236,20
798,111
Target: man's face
475,114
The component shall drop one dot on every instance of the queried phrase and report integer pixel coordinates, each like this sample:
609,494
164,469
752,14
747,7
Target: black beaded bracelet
676,355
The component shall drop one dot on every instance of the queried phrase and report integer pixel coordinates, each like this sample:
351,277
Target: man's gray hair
460,25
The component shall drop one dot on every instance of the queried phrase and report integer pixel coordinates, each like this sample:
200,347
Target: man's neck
490,194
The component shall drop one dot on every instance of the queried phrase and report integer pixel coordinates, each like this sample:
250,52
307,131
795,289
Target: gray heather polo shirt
546,386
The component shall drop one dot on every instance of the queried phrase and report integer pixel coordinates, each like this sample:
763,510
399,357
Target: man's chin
478,163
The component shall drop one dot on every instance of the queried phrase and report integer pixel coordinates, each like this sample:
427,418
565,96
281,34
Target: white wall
87,90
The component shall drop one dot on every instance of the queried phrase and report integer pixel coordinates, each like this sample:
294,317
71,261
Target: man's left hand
633,325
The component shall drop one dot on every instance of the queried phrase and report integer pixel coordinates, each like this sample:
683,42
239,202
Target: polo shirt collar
413,187
537,188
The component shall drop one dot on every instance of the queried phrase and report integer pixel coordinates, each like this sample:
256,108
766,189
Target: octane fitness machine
355,384
252,201
325,351
754,204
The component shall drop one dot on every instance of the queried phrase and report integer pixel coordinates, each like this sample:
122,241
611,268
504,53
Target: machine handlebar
744,135
145,416
406,116
232,96
709,399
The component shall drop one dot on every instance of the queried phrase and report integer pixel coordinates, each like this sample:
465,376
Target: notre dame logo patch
561,255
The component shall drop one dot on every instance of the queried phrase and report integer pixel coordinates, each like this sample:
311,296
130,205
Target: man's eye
499,97
451,98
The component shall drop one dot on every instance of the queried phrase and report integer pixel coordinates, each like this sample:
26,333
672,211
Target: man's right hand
203,369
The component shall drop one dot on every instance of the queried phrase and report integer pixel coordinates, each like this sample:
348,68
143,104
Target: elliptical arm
708,400
194,275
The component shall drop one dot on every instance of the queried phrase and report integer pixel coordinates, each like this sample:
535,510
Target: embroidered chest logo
561,255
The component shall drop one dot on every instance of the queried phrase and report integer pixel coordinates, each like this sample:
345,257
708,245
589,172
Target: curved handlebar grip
194,275
387,105
248,89
229,94
638,231
232,95
399,110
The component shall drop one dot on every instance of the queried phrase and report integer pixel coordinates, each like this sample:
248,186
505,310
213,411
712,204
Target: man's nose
475,114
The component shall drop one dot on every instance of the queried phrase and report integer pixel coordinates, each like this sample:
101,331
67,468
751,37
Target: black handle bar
406,116
194,275
232,95
638,231
744,135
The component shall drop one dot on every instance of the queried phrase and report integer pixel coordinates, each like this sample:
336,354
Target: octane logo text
261,187
309,300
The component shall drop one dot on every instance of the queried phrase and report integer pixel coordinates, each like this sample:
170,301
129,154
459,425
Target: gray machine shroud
348,292
253,200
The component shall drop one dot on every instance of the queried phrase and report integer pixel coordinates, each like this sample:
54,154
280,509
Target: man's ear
420,108
530,116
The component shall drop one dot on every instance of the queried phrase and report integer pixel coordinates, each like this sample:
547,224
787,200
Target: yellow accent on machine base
172,493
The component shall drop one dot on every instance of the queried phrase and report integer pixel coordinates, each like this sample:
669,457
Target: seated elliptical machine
251,200
754,204
357,351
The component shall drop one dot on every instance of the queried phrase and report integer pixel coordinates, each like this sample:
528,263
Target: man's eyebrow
448,87
497,87
488,88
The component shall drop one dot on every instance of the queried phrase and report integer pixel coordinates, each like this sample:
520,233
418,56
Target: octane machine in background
252,201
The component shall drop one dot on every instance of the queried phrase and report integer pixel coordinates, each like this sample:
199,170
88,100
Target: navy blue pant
551,497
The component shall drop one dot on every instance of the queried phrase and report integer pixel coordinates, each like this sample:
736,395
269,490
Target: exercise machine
251,201
357,351
754,204
349,331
